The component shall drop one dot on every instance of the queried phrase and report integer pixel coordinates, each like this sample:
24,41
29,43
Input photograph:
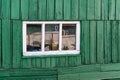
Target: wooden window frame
59,52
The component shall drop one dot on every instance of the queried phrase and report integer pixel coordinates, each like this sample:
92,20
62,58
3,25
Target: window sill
50,53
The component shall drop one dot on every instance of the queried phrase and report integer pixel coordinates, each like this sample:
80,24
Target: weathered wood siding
100,31
100,34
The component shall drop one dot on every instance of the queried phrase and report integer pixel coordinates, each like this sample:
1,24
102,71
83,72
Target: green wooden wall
100,33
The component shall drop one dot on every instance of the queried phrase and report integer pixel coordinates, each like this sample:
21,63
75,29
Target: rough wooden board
5,9
0,43
117,9
98,9
24,9
17,43
112,12
59,9
6,44
15,9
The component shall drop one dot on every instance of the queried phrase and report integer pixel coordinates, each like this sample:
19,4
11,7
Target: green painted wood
78,60
108,41
82,44
33,7
26,63
59,9
90,76
105,8
82,9
33,62
6,44
114,41
38,63
53,62
117,10
17,43
67,9
24,9
0,9
42,10
90,9
43,62
112,13
48,62
5,9
0,43
100,42
86,32
119,42
50,9
15,9
74,10
98,9
93,41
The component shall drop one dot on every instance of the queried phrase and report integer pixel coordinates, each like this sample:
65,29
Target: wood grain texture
114,41
117,9
24,9
100,42
15,9
6,44
98,9
105,10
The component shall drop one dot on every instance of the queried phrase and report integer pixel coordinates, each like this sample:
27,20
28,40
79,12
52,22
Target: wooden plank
59,9
67,9
42,10
15,6
5,9
90,76
78,60
119,41
117,10
17,43
82,9
50,9
0,8
33,9
87,42
6,44
114,41
79,69
26,63
0,44
74,10
112,9
90,9
48,62
53,62
38,63
98,9
105,8
82,44
24,9
100,42
93,42
108,41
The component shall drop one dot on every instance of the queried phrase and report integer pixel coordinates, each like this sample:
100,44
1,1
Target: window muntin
51,38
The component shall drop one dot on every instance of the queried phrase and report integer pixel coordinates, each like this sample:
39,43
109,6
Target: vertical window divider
60,37
43,37
24,39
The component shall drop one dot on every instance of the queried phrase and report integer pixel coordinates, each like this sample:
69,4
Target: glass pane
51,37
68,36
34,37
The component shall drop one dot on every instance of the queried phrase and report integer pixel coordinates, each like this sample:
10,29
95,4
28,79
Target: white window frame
59,52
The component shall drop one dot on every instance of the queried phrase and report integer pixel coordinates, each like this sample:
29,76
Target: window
51,38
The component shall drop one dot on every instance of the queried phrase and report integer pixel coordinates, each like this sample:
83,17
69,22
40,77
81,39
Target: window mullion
43,37
60,37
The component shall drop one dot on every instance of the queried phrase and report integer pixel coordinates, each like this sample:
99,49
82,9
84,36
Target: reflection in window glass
51,37
68,36
34,37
